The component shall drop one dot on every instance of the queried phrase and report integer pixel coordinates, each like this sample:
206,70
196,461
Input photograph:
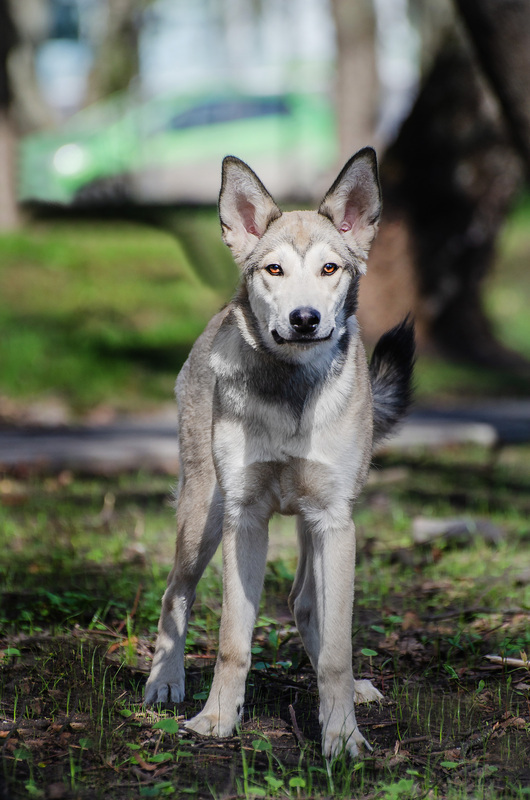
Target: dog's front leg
333,555
244,557
199,526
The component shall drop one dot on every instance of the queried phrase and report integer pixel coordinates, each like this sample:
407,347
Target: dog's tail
391,368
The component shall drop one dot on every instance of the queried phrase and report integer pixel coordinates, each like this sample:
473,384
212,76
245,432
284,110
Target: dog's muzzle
304,320
304,323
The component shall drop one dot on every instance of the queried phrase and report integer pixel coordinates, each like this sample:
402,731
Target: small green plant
404,789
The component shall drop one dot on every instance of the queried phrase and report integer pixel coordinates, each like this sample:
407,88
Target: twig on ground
414,739
296,730
510,662
134,609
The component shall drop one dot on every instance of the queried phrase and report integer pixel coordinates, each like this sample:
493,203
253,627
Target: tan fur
275,417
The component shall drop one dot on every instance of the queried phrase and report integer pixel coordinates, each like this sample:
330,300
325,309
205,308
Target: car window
219,111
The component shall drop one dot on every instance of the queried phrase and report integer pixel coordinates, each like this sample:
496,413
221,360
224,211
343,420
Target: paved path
153,445
92,448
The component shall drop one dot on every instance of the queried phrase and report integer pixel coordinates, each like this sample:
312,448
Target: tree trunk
29,109
357,82
116,62
8,205
500,32
448,182
9,216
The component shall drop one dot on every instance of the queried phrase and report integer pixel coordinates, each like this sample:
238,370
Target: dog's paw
163,692
211,725
365,692
335,743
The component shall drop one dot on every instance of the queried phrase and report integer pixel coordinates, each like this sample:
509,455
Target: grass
96,313
508,287
83,567
506,298
105,312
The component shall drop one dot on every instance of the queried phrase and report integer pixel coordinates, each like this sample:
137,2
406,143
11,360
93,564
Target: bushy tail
391,370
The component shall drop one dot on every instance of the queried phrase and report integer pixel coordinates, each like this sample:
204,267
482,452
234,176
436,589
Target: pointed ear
353,203
246,208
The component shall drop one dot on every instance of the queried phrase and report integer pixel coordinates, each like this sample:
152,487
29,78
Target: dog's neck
241,358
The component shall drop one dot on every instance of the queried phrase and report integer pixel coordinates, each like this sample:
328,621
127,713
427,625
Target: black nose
304,320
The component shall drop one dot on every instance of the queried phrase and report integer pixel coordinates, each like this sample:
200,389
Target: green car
169,149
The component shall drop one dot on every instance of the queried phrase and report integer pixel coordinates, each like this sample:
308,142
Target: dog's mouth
303,339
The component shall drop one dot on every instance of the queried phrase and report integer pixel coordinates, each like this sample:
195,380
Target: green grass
82,570
106,312
96,313
506,300
508,287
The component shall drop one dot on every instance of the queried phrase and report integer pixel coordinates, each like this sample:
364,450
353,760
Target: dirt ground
73,726
84,566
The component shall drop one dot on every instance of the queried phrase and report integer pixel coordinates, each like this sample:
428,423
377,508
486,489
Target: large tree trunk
500,32
448,182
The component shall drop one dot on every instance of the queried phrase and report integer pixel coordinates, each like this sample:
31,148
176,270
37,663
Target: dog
279,412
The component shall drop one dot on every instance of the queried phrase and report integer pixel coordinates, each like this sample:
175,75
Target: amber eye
274,269
329,269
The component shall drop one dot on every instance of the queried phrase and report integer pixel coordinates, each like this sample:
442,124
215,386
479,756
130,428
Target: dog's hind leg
303,605
322,600
244,555
199,529
302,597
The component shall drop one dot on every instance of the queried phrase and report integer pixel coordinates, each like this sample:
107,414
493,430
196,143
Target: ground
83,570
95,320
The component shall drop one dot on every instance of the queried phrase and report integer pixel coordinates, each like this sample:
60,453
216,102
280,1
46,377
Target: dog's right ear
246,209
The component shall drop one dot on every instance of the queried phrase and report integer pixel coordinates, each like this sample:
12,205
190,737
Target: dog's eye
274,269
329,269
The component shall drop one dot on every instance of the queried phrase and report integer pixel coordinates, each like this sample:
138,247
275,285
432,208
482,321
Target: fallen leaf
411,621
410,646
390,643
398,758
518,722
55,791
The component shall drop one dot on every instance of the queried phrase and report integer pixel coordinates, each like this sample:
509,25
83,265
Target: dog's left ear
246,208
353,203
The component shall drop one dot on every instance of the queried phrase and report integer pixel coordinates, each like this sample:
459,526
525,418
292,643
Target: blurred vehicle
169,149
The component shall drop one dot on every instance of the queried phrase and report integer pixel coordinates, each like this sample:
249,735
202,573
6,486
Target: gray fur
277,415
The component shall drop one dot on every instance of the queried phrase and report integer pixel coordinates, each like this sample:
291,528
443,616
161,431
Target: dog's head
301,268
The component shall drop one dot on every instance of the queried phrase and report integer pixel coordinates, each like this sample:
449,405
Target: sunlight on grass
507,294
97,312
106,313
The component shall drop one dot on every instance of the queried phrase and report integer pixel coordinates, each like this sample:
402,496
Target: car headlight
70,159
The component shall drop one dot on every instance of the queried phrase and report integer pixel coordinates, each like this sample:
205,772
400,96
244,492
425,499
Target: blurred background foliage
114,118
